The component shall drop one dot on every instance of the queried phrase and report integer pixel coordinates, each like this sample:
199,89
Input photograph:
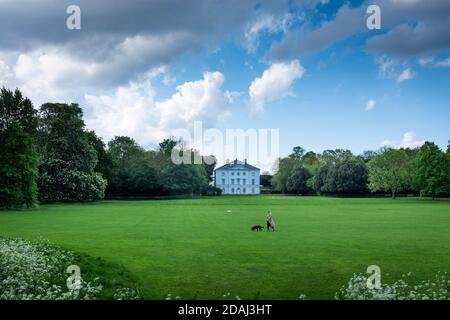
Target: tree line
48,155
424,170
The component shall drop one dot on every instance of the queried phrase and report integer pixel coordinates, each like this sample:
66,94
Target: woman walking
270,222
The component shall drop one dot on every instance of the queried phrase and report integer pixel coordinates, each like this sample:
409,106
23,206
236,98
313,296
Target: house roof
236,162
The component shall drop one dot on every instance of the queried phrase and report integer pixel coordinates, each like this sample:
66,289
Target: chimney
235,161
245,161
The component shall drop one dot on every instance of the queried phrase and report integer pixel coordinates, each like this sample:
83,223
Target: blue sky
309,68
329,107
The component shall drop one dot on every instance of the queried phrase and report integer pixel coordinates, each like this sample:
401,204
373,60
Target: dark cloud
120,40
25,23
412,27
304,41
417,27
131,36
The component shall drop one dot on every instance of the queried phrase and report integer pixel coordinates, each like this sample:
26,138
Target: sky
310,69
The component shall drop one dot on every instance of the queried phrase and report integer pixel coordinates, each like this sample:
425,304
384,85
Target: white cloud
196,100
133,111
434,62
408,141
232,95
407,74
370,104
275,83
266,23
142,49
168,80
5,73
51,75
390,69
386,67
443,63
128,112
425,61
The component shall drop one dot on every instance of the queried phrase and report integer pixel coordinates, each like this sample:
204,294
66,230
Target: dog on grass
257,228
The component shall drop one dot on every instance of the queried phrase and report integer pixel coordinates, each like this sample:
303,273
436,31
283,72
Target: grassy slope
195,249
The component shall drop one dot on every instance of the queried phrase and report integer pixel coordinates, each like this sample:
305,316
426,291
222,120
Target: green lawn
196,249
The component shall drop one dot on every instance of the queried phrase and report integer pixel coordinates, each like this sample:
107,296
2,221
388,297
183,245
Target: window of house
244,181
243,174
253,181
223,181
232,190
243,190
238,181
223,173
232,173
232,181
253,173
253,190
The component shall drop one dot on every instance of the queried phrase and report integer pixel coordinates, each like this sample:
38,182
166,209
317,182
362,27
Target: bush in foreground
403,289
37,271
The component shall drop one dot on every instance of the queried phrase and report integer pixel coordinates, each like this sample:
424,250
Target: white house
237,177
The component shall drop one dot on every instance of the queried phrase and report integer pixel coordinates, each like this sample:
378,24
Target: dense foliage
298,179
18,168
390,171
67,159
136,172
403,289
48,154
37,271
18,157
425,170
433,167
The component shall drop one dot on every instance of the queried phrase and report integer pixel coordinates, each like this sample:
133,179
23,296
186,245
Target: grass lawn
196,249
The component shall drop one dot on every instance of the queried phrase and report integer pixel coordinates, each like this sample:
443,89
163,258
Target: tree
336,156
104,161
14,108
132,173
350,177
345,177
18,158
18,168
368,155
390,171
144,178
281,176
320,178
431,170
339,171
209,166
297,153
297,181
448,166
167,145
68,161
266,179
311,162
183,178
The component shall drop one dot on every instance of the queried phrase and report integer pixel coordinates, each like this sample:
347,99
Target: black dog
257,228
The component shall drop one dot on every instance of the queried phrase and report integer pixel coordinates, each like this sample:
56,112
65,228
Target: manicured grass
196,249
